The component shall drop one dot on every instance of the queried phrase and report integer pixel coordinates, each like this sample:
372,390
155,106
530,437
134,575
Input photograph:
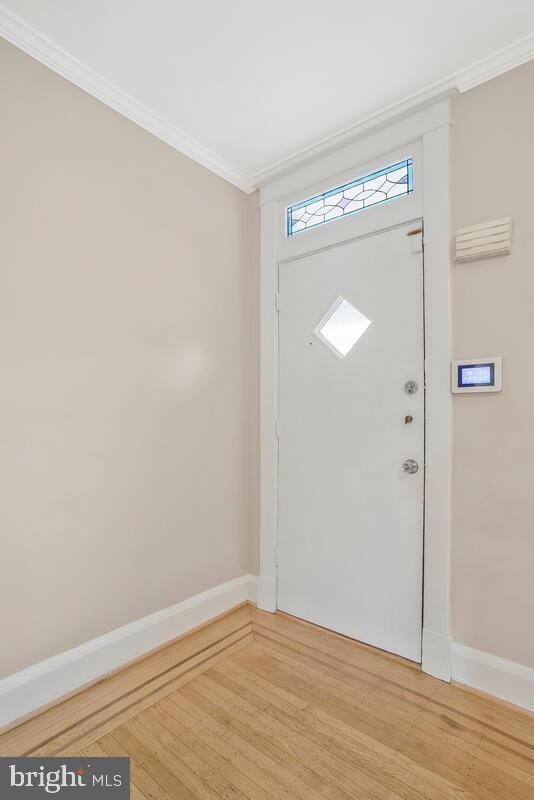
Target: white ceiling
248,87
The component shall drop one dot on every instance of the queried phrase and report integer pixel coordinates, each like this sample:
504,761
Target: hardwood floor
264,706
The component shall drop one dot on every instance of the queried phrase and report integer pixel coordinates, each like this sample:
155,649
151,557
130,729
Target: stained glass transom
378,187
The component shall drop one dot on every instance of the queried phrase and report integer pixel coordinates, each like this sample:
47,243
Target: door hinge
277,301
276,556
276,429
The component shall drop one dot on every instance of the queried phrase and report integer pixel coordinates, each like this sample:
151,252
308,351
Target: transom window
378,187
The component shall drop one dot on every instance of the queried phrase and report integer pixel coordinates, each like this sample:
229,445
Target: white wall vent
483,241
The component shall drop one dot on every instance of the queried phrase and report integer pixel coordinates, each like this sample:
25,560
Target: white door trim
425,136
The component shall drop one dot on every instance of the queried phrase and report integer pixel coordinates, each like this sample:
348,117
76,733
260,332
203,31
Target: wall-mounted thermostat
477,375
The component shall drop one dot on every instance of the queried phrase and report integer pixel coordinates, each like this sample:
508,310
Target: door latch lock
410,466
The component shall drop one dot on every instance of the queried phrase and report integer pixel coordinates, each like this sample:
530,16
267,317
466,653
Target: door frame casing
425,136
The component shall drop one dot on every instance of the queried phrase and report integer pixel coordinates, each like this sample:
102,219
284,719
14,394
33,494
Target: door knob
410,466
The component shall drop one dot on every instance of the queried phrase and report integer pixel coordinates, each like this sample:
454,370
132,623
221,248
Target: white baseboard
252,588
436,655
493,675
43,683
266,594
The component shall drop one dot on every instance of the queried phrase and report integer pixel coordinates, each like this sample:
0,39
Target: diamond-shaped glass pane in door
342,326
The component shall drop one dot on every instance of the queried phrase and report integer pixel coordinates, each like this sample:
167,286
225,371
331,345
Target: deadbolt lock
410,387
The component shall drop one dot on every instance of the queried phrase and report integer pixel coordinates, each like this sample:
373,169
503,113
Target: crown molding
40,47
514,55
361,130
477,73
35,44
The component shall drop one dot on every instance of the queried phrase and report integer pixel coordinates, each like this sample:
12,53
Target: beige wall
129,362
493,314
128,323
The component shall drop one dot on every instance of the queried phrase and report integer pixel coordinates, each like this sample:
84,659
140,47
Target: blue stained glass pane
397,181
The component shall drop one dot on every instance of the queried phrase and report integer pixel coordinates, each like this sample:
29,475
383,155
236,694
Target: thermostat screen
470,375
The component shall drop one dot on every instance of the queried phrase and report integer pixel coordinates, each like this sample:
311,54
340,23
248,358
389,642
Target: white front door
350,546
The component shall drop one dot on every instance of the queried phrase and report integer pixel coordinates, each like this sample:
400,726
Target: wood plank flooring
282,709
